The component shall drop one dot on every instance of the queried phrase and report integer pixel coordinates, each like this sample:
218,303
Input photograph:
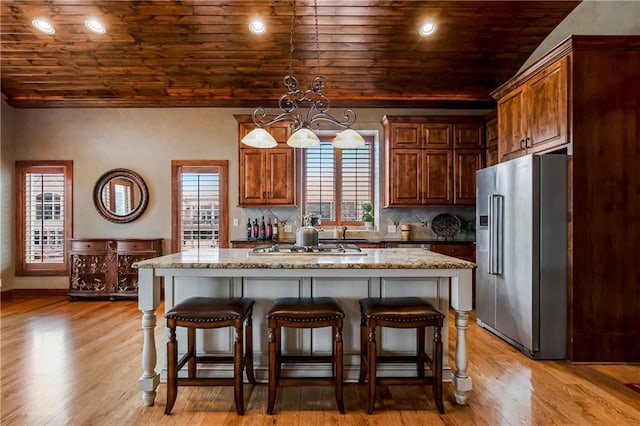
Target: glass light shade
43,25
259,138
303,138
348,139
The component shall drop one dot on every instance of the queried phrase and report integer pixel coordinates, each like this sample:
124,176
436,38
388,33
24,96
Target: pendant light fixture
316,102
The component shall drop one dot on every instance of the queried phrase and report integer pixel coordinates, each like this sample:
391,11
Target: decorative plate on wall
446,225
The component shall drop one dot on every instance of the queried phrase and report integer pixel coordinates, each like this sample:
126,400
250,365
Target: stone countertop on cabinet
407,258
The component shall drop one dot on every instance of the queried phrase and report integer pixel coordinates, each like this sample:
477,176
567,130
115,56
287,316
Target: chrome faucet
344,232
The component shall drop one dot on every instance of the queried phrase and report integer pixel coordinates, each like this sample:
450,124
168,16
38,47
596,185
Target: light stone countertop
397,258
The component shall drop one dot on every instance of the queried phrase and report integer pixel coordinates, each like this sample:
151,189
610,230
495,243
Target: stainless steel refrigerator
521,243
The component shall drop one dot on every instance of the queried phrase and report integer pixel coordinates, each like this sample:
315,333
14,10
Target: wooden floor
78,363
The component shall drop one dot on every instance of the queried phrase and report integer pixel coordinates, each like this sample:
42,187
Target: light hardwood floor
78,363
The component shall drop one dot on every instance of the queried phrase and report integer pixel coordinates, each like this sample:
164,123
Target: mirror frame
120,173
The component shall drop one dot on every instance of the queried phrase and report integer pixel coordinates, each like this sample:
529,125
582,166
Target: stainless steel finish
307,236
521,253
318,250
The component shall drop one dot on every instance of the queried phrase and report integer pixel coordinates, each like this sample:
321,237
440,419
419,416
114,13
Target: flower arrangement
367,208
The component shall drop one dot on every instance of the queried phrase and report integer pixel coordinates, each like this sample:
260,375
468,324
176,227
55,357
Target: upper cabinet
491,157
533,115
432,160
266,176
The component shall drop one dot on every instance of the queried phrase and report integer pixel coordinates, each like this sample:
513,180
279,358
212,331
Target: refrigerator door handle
496,233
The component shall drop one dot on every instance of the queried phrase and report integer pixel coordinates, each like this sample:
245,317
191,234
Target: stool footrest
206,381
306,358
305,381
402,358
404,380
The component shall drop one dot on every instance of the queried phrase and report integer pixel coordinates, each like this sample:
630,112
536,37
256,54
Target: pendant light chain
293,31
315,11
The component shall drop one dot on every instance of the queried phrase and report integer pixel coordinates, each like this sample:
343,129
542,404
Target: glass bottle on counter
256,229
269,229
249,229
263,230
274,235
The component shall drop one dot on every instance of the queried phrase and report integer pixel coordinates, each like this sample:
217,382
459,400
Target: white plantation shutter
356,182
44,217
320,185
199,209
338,181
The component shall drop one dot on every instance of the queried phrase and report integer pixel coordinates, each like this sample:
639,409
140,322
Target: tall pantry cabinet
583,98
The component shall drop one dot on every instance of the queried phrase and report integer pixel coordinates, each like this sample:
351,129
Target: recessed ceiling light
427,29
43,25
95,25
257,26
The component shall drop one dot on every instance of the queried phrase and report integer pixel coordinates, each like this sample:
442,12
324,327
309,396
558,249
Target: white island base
381,273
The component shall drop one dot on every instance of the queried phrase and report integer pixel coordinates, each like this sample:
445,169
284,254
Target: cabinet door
406,135
405,177
437,176
468,135
466,163
437,135
492,156
511,139
252,190
547,114
492,132
280,172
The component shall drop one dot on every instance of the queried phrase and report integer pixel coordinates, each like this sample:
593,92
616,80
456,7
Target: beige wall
7,155
144,140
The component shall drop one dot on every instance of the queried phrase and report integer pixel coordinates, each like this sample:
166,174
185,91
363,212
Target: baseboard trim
24,293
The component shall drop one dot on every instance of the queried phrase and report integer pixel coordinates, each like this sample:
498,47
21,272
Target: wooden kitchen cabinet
533,116
432,160
583,97
466,163
491,153
266,176
101,268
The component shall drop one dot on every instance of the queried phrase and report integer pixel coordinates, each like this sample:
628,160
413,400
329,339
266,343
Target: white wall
594,17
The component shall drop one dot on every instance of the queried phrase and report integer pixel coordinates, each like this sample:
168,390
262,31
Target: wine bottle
275,229
256,229
249,229
269,229
263,230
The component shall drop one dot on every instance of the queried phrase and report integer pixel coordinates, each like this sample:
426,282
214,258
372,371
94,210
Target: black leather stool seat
304,312
206,313
400,309
305,309
209,309
400,312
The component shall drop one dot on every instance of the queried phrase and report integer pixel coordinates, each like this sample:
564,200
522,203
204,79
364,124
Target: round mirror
120,195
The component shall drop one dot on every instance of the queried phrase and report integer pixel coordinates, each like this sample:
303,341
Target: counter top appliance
319,249
521,253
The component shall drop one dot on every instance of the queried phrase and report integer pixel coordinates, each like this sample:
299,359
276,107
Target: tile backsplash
418,217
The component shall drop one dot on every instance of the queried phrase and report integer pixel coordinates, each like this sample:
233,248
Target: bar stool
304,313
204,313
401,312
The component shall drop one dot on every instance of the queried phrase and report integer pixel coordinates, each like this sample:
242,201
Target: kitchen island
440,279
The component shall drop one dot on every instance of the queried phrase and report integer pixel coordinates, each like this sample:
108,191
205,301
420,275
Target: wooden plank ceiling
200,52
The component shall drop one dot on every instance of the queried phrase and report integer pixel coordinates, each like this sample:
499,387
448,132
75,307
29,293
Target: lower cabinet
101,268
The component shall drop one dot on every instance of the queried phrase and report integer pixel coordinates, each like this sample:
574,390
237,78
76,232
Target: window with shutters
43,216
338,181
199,204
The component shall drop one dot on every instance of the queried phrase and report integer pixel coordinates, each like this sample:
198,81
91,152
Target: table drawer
89,245
135,246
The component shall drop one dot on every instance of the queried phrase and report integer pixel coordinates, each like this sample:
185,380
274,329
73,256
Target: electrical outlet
287,228
391,229
235,221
